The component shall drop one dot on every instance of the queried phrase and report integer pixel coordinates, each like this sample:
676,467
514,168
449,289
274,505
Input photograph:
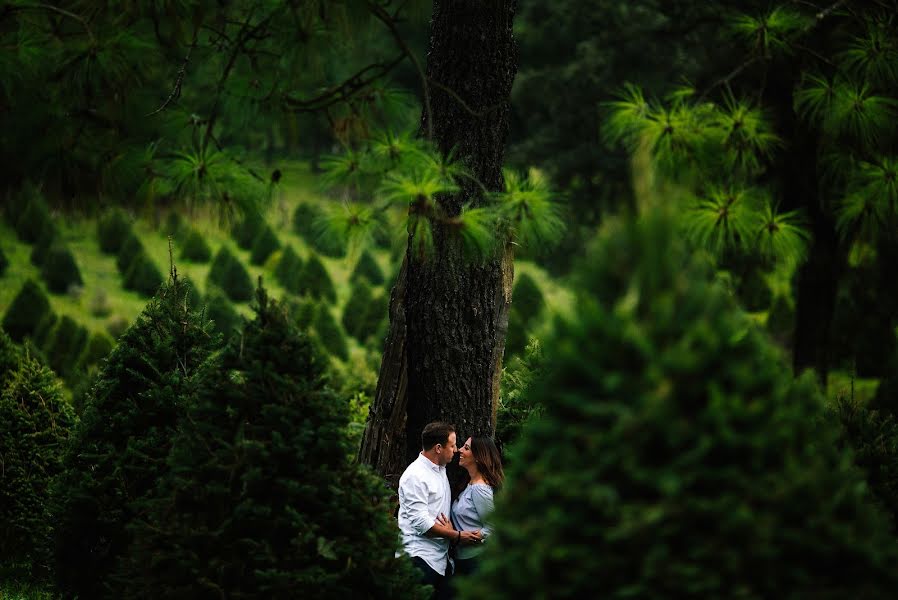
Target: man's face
447,452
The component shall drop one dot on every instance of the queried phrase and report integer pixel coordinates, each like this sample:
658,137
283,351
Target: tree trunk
448,316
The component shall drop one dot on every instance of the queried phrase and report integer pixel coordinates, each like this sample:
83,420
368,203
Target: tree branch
176,91
345,90
61,11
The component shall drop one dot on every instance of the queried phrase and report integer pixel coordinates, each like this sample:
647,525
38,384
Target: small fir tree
228,273
356,309
677,457
316,280
4,262
305,219
113,229
329,334
98,347
265,244
367,268
222,313
262,499
527,299
10,356
37,422
60,270
46,240
34,220
66,344
195,248
28,309
289,270
119,448
130,249
143,276
246,231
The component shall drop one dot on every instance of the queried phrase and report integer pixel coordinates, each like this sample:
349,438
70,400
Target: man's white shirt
424,494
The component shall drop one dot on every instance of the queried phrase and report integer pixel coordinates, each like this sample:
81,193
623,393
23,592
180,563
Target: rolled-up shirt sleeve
413,500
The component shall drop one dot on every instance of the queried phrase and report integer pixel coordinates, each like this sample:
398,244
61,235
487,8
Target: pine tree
247,231
48,238
34,220
119,448
113,229
677,457
366,268
228,273
60,270
65,346
10,356
527,299
143,276
28,309
289,270
356,309
316,281
265,244
37,422
4,262
194,248
130,249
329,334
222,313
261,499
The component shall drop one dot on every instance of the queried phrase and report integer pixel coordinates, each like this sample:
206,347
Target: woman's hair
488,460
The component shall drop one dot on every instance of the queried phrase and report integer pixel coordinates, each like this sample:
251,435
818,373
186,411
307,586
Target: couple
424,502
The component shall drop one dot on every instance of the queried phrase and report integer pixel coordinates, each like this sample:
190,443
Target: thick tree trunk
449,316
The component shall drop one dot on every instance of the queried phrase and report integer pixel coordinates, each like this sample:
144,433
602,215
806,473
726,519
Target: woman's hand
469,538
442,520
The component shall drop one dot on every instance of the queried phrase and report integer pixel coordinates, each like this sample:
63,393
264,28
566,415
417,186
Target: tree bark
448,316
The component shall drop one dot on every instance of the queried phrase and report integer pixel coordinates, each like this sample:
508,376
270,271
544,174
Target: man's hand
469,538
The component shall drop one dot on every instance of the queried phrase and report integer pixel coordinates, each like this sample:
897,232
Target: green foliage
228,273
37,422
289,270
28,309
98,347
10,356
676,456
60,270
274,510
248,230
113,230
312,224
354,313
222,313
4,262
119,449
770,33
65,346
174,225
873,436
329,333
315,280
194,248
130,249
46,240
367,268
516,399
34,219
143,276
305,218
265,244
527,299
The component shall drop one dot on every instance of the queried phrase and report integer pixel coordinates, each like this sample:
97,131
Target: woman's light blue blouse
470,511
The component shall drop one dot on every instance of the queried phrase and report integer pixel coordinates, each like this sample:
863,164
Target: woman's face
464,454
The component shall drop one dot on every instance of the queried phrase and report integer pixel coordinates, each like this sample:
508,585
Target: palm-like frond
628,116
417,188
722,219
678,135
814,98
349,225
477,228
447,167
528,210
770,33
874,55
872,198
342,169
420,234
389,150
781,237
748,136
860,113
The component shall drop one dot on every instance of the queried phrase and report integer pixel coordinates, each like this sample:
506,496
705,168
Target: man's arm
413,507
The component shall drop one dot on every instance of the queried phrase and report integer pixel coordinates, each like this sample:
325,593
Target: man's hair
435,433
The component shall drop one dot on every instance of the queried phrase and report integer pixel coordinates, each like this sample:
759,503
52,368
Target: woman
471,510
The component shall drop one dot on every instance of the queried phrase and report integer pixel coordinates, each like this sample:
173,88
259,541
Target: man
424,502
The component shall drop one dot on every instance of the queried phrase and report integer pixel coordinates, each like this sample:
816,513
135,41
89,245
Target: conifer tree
356,309
195,248
677,457
289,270
34,220
221,312
65,345
228,273
45,240
367,268
119,448
37,422
329,333
527,299
60,270
28,309
316,281
10,355
143,276
261,499
113,229
4,262
130,249
264,245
